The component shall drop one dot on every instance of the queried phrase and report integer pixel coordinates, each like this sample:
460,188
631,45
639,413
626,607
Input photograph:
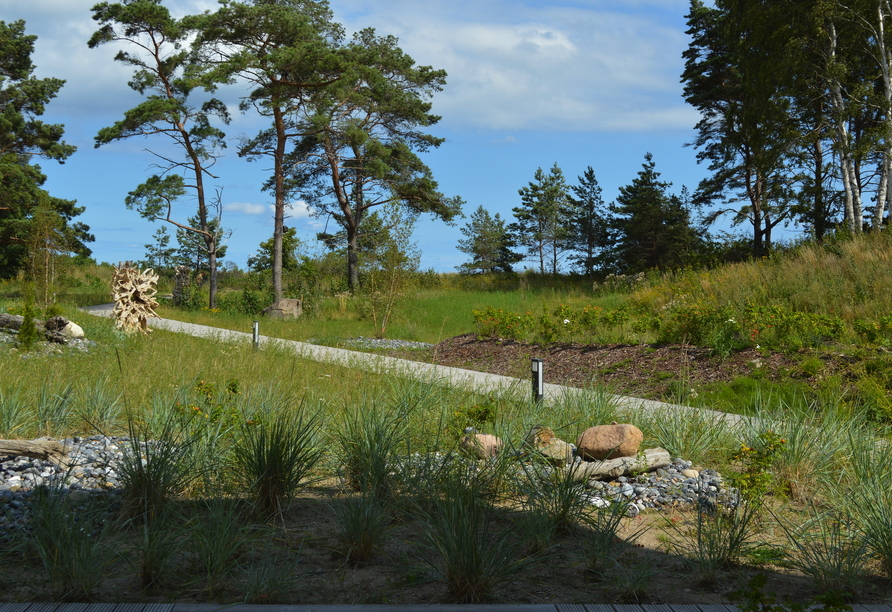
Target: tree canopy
24,137
166,74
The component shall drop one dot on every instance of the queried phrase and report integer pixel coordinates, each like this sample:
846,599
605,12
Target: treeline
795,98
344,121
560,227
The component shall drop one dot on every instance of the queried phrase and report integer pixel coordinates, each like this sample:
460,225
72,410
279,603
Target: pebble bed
383,343
43,348
95,462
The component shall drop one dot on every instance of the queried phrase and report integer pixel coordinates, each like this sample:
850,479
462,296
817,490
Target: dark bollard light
256,335
537,366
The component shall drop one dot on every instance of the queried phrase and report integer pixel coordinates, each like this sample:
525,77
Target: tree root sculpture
134,295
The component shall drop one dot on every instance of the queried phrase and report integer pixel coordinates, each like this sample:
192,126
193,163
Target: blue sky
581,83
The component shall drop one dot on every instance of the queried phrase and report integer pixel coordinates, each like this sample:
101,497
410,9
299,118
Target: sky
531,83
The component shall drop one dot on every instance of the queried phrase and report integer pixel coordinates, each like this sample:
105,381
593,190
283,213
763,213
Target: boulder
558,453
62,326
73,330
286,308
481,446
538,437
609,441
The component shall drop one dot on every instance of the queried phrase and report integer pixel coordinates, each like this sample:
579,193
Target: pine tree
588,224
159,255
653,228
488,242
541,221
23,137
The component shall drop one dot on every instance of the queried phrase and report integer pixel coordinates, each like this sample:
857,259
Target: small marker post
256,335
537,367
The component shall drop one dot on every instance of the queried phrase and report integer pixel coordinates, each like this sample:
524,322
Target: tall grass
697,435
275,454
14,417
157,465
463,543
369,440
72,543
846,278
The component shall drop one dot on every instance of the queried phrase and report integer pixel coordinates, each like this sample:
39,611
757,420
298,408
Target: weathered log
48,449
10,321
647,461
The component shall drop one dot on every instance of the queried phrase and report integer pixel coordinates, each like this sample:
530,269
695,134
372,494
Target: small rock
481,446
690,473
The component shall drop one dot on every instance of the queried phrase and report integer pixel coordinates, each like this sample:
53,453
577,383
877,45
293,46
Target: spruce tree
652,228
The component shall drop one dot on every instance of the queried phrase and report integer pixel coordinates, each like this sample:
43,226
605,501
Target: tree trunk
212,273
841,138
279,217
819,208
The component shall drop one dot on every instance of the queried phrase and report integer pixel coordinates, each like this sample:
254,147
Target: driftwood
647,461
48,449
134,295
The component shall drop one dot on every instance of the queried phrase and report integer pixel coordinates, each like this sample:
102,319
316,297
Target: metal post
256,335
537,366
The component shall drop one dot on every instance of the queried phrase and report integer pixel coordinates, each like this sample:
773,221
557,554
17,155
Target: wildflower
566,321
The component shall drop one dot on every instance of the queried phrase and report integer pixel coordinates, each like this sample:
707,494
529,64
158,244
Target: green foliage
755,478
563,323
22,138
157,464
555,503
368,440
362,524
28,336
249,302
218,538
542,219
588,226
479,416
165,74
753,598
651,229
464,545
720,537
388,270
828,549
600,540
489,244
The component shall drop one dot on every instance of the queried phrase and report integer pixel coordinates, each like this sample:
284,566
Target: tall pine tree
541,221
588,225
652,228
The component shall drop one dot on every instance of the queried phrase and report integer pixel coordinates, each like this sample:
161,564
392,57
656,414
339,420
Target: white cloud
587,65
299,210
293,210
562,65
247,208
